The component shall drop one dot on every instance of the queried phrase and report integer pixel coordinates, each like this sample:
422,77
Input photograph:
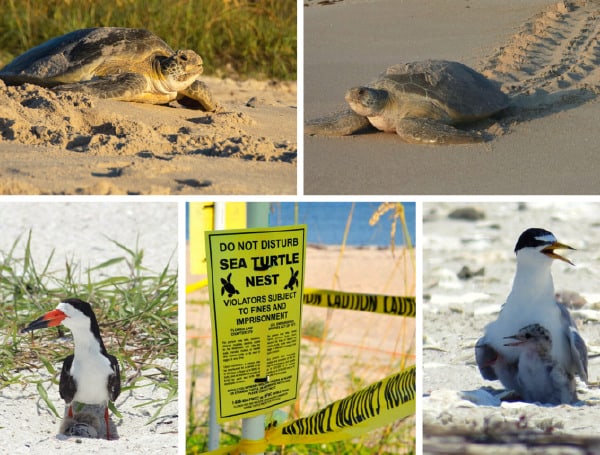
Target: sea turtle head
182,68
367,101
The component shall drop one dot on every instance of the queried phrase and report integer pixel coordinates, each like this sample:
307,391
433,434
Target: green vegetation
137,314
242,38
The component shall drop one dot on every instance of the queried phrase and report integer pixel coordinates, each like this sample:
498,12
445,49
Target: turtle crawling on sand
421,102
116,63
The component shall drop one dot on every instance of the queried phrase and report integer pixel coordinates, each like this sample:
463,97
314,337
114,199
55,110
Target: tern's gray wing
579,357
485,356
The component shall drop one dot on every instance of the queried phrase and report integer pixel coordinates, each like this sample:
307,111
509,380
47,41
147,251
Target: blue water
327,221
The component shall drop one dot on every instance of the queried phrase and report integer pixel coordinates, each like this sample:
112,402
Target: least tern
532,301
540,379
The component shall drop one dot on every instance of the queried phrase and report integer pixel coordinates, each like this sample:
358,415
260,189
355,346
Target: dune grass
137,313
243,38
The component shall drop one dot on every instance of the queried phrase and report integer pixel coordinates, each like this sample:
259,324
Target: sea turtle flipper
340,123
197,95
122,87
428,131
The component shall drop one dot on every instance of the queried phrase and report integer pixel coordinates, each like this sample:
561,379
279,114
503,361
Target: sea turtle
124,64
420,101
293,281
228,286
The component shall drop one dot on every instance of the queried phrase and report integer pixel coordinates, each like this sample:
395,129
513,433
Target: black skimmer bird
90,375
541,379
532,301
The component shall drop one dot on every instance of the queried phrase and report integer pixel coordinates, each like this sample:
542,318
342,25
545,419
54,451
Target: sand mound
34,115
256,124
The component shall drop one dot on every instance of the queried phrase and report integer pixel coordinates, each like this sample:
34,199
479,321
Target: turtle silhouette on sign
227,286
293,280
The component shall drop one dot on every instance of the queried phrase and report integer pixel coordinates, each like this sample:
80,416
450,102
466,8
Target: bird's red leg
106,420
70,411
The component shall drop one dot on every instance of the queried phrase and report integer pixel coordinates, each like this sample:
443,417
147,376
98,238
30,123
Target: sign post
255,284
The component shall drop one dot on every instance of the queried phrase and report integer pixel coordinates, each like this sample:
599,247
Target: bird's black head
534,237
543,241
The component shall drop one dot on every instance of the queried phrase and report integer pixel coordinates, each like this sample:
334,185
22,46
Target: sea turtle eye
184,57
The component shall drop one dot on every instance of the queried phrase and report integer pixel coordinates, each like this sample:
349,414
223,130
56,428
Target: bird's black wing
67,386
114,380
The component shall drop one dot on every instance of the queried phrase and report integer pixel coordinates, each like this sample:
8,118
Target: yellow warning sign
256,277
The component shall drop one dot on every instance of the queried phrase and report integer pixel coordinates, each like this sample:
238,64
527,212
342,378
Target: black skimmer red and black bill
90,375
532,301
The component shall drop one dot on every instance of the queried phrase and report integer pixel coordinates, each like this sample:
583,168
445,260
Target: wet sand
543,53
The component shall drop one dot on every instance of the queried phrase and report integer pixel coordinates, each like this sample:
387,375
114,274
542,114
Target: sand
74,144
368,345
83,233
544,53
29,428
455,312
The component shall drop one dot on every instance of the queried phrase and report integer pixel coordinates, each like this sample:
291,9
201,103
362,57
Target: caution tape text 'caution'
375,303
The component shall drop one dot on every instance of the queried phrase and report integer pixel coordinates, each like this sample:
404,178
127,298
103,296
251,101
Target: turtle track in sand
553,60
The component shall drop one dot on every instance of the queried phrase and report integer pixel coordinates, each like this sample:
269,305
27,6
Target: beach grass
137,314
237,38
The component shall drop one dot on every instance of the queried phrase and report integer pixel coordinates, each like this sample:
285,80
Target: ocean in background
327,221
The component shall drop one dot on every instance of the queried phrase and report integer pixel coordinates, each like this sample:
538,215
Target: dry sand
74,144
455,312
544,53
29,428
368,345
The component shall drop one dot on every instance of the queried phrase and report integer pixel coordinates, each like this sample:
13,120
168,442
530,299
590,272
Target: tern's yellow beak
549,251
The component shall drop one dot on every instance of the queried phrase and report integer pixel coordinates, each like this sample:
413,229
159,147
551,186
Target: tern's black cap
534,237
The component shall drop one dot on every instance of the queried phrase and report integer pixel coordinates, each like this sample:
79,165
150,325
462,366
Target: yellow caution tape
379,404
196,286
376,303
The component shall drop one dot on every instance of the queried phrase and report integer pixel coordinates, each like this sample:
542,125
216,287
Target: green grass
137,313
242,38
